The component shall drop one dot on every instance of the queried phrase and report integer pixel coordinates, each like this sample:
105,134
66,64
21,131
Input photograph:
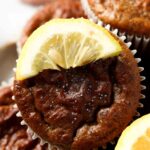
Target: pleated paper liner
123,38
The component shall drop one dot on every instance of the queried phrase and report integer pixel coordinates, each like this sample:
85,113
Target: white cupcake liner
123,38
36,136
140,42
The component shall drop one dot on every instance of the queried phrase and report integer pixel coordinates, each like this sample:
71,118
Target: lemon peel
65,43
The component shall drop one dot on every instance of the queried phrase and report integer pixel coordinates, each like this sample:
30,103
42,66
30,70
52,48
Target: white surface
8,56
13,16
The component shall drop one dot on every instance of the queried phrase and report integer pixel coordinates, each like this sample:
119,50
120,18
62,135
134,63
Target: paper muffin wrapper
143,87
138,42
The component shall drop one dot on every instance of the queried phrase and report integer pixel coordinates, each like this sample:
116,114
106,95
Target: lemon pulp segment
65,43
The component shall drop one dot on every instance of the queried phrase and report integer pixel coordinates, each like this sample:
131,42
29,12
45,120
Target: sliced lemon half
136,136
65,43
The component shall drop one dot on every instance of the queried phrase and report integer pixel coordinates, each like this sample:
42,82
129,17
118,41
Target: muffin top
12,134
131,16
55,9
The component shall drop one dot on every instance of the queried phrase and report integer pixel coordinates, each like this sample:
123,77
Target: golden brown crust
131,16
55,9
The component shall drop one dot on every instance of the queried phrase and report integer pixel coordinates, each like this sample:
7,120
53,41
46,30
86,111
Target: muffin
36,2
12,134
78,107
131,17
55,9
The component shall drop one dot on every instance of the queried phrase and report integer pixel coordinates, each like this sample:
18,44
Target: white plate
13,16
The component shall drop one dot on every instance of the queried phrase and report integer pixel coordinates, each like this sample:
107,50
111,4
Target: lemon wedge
65,43
136,136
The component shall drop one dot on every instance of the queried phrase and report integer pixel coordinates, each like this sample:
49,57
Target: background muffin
131,17
12,134
55,9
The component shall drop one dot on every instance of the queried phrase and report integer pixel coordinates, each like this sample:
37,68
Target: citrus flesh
136,136
65,43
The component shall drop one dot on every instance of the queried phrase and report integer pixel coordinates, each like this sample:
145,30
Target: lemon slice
65,43
136,136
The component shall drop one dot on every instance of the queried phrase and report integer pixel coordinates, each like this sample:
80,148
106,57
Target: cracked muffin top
77,85
131,16
12,134
81,108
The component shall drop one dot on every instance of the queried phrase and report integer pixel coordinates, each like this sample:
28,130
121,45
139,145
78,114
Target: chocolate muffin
37,2
12,134
55,9
83,107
